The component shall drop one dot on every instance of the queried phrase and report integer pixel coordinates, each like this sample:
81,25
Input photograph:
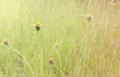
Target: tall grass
78,47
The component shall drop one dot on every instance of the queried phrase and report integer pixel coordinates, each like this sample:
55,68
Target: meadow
77,38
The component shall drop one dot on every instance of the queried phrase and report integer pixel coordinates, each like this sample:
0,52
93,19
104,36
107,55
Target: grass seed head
51,61
37,26
4,42
56,45
89,18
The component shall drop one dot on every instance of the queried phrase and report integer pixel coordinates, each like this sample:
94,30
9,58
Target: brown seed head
89,18
37,28
51,61
56,45
5,42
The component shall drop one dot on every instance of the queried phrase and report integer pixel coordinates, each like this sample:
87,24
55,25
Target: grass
78,47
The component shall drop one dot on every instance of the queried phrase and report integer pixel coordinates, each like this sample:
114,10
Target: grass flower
37,26
5,42
89,18
51,61
56,45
